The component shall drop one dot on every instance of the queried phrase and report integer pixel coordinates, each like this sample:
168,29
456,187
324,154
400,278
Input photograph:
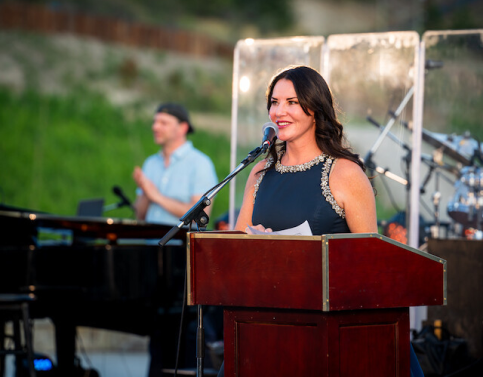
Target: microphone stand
385,131
432,166
197,214
373,167
394,115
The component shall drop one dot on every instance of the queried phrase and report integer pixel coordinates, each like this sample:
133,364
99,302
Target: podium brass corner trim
445,282
189,298
325,274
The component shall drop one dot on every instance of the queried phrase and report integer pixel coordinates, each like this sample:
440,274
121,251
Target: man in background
174,179
169,184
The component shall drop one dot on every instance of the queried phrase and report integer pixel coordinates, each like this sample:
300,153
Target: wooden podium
331,305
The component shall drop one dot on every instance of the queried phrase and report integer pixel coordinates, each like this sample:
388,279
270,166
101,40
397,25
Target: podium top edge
268,236
237,235
241,235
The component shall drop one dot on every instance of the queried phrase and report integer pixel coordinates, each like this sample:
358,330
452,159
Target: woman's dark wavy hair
313,93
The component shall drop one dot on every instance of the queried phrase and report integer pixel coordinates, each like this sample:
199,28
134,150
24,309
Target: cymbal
459,148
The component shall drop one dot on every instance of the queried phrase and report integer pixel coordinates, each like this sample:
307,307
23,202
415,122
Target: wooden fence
39,18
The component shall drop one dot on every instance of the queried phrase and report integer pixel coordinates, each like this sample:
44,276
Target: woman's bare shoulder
347,168
348,178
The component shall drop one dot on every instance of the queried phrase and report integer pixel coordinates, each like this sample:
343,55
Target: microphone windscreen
271,125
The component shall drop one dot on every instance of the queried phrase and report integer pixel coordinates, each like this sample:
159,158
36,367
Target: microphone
433,64
124,199
270,133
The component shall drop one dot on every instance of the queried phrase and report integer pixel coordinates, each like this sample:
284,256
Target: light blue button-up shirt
190,172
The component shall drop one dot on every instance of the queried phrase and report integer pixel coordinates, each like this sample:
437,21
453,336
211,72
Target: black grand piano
96,272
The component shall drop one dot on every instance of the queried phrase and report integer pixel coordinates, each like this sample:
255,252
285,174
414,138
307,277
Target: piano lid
23,226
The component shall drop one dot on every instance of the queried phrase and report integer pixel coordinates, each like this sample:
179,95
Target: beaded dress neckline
296,168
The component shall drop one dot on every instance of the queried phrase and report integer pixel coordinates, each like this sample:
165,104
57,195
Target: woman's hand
258,227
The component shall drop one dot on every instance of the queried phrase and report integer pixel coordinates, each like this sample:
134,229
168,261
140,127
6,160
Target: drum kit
465,207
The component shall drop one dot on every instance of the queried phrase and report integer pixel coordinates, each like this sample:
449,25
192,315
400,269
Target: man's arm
151,194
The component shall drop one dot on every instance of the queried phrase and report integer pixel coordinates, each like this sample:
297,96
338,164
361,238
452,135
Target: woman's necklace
296,168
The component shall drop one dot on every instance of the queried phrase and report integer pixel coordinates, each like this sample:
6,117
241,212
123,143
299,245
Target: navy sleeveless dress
286,196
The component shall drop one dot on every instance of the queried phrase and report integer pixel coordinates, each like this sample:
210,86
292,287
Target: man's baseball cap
177,111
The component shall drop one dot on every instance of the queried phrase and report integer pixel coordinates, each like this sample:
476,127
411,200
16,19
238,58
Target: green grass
55,151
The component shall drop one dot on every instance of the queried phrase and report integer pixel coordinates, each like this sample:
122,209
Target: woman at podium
310,174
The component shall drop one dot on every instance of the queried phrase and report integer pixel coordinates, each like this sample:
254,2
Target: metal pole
200,343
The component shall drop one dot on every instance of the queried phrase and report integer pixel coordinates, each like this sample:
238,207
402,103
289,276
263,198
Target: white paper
300,230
